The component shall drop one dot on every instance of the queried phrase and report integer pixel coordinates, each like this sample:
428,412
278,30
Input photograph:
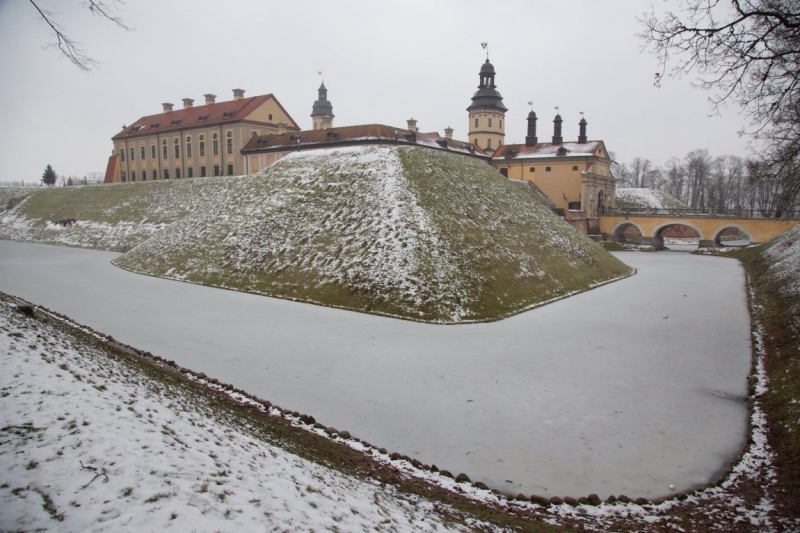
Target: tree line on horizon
723,184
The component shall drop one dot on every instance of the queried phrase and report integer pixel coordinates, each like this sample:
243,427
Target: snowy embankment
93,440
643,198
398,231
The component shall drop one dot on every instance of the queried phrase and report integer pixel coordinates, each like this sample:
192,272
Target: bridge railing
710,212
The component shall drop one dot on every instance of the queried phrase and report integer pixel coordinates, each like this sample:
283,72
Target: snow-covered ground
642,198
629,388
89,444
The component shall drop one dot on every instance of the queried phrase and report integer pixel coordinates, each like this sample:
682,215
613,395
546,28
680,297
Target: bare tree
726,180
640,170
746,52
698,168
70,48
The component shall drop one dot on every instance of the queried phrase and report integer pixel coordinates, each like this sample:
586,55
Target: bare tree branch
71,49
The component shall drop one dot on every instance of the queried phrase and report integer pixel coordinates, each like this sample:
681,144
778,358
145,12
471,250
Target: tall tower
487,113
322,112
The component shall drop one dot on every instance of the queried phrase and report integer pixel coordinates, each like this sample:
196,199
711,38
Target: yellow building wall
262,113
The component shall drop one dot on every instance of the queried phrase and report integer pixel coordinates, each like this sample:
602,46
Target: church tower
487,113
322,112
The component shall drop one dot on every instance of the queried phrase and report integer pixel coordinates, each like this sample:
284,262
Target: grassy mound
640,198
398,231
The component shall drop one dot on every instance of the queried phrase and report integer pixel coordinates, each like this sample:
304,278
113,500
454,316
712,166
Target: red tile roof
353,135
198,116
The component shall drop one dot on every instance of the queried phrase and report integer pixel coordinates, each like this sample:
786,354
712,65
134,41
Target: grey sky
384,62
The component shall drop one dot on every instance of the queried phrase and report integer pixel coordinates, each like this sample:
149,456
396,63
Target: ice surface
628,388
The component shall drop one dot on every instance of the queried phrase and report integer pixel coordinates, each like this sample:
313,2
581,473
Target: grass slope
774,272
398,231
641,198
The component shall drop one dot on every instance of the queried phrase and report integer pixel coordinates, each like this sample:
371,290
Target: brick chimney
412,125
531,139
210,98
282,127
187,103
167,107
238,94
448,133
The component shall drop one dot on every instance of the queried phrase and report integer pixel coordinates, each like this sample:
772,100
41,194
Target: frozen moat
625,389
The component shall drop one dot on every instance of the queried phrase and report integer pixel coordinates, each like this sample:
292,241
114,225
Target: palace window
490,123
155,174
476,122
202,172
215,150
230,146
178,173
153,151
488,143
547,169
575,167
202,148
142,153
164,143
122,154
133,153
188,147
177,151
122,176
532,169
270,116
133,175
166,173
216,168
501,123
189,172
230,170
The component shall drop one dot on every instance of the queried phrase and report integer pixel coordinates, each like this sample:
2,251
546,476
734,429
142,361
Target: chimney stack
282,127
582,124
557,139
448,133
167,107
531,139
238,94
210,98
412,125
187,103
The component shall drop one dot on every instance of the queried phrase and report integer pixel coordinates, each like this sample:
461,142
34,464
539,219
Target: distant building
264,150
195,141
575,176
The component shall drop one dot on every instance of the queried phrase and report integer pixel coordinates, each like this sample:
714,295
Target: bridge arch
658,230
621,227
716,236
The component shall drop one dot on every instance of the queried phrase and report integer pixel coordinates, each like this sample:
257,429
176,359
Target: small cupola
187,103
531,139
210,98
582,125
238,94
448,133
412,125
557,138
167,107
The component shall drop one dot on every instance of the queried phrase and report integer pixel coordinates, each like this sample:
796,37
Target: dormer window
203,117
176,121
229,114
154,125
332,135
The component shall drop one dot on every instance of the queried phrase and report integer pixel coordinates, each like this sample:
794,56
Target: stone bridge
709,227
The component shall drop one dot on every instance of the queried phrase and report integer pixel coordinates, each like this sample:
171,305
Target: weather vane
531,104
556,109
321,76
485,46
581,113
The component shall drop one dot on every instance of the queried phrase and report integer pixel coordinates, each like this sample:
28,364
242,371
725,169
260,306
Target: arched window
188,147
575,167
164,146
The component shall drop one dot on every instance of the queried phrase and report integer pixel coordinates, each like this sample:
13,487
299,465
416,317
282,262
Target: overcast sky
384,62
